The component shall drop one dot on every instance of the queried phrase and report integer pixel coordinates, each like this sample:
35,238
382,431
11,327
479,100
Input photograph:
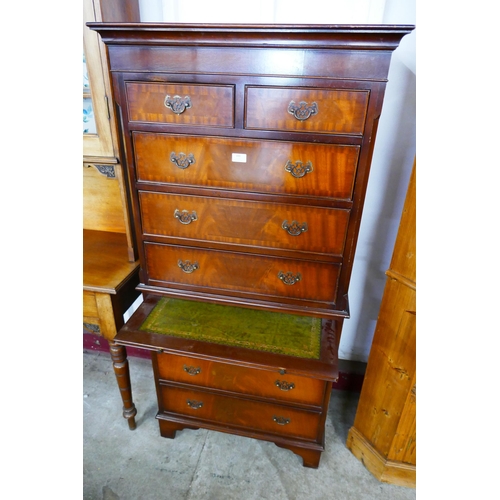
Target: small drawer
240,379
242,413
323,170
197,105
248,223
322,111
213,271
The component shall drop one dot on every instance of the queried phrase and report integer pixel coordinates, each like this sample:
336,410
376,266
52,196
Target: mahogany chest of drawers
248,151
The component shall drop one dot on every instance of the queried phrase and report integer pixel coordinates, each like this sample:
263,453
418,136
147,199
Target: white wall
264,11
395,147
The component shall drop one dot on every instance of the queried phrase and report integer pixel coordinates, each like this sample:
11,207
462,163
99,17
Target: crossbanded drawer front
226,272
281,226
234,378
260,416
258,166
198,105
323,111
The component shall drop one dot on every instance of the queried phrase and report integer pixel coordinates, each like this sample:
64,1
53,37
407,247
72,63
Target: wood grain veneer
211,105
336,111
250,166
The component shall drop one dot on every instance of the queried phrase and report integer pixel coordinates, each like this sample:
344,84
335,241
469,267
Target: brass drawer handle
281,420
177,103
195,405
289,278
298,169
302,111
284,385
294,228
191,370
187,267
185,217
182,160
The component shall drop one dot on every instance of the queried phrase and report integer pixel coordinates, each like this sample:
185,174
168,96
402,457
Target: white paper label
239,158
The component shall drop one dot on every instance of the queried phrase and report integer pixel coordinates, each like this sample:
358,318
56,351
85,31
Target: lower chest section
233,397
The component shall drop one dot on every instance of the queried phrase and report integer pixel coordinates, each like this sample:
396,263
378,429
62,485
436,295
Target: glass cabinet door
97,130
89,126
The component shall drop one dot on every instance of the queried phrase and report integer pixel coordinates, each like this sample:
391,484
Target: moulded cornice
368,37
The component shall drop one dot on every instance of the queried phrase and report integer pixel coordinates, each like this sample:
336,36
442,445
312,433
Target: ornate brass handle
281,420
185,217
195,405
187,267
294,228
298,169
302,111
289,278
177,103
182,160
284,385
191,370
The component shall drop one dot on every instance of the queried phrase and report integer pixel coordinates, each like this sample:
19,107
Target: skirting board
386,471
351,373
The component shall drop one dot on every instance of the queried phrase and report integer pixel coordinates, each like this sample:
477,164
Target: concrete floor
119,464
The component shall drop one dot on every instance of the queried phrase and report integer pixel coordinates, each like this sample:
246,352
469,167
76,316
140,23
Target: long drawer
241,379
244,413
307,110
247,165
239,222
181,104
224,272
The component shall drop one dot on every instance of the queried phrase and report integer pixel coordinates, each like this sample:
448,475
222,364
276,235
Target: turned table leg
122,373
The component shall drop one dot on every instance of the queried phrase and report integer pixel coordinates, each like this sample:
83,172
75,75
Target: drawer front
233,378
260,166
294,227
321,111
244,413
206,105
226,272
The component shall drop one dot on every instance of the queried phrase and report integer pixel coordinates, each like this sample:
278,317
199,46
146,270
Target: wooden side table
110,270
109,282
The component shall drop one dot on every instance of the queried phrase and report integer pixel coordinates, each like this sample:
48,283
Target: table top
105,261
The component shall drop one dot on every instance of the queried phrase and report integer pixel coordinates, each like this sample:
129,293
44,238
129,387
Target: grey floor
206,465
